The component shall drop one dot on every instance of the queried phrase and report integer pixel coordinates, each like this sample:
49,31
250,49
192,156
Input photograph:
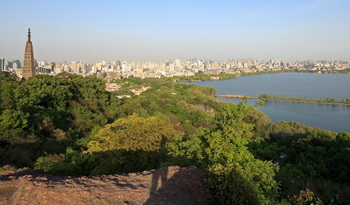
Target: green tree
131,133
7,77
136,143
14,127
223,149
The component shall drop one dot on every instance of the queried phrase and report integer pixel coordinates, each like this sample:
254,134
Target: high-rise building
28,65
177,63
2,64
16,64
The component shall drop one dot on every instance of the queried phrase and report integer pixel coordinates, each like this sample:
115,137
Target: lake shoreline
312,99
280,99
219,77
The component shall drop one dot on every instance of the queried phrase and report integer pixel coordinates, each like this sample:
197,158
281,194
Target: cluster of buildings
169,68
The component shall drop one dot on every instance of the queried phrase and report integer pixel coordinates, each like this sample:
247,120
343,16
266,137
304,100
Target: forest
70,125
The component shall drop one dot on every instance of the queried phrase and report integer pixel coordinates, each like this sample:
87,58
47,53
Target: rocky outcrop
168,185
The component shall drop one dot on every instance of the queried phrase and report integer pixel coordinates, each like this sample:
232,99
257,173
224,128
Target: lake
329,117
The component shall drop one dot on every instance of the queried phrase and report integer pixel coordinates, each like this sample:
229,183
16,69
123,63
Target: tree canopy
69,125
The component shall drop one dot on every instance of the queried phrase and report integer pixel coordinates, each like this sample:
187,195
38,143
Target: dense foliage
69,125
237,177
308,158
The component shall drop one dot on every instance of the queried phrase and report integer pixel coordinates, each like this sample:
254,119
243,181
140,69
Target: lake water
329,117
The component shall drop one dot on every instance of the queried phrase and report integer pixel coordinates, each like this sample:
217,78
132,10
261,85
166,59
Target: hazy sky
154,30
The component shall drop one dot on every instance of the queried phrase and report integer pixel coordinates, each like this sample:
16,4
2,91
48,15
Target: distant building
2,64
112,87
28,65
138,91
16,64
177,63
8,65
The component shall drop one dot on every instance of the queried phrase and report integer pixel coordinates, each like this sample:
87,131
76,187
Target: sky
156,30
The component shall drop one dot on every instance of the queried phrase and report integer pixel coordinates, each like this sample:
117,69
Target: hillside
69,125
167,185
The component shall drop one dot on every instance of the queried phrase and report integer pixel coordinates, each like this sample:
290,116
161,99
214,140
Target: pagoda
28,69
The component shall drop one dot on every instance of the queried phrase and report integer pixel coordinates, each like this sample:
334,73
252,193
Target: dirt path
168,185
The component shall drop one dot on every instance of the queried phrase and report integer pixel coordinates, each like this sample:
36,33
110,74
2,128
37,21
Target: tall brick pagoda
28,69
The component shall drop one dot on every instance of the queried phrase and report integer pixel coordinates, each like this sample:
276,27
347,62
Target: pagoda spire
28,34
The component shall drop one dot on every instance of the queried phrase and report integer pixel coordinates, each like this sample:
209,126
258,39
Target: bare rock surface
167,185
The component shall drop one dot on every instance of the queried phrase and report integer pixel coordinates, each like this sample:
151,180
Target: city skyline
157,30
